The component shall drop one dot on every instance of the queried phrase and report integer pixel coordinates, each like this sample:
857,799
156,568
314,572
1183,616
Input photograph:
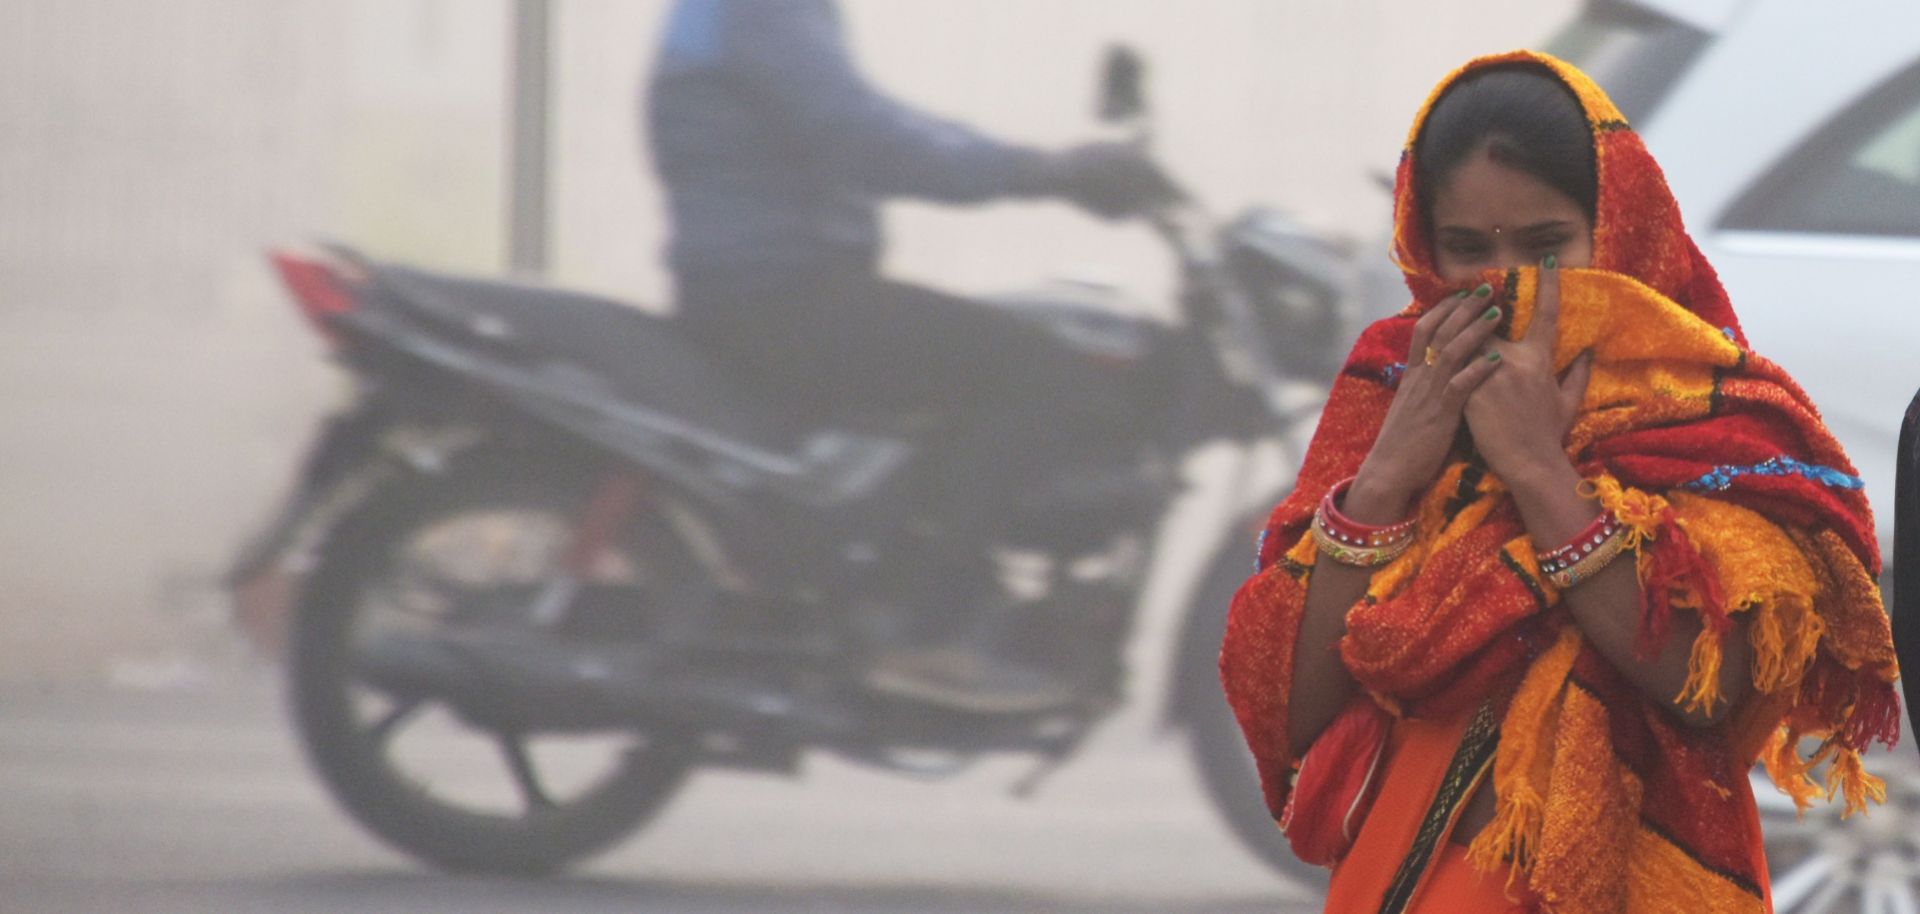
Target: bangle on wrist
1593,548
1350,542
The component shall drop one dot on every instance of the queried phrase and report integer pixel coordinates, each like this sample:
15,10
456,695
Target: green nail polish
1492,314
1484,290
1493,355
1551,262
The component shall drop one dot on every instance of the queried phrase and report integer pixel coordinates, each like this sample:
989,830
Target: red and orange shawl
1738,502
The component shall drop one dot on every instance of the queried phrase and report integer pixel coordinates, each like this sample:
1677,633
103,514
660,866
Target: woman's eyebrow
1543,226
1524,230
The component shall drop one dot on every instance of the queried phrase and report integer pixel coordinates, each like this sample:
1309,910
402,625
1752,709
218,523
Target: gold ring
1428,358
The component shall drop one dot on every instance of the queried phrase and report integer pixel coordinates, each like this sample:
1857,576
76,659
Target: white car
1790,132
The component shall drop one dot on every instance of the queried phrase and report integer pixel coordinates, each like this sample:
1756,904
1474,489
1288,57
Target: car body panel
1838,312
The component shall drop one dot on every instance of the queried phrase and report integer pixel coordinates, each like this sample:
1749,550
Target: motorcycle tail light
321,284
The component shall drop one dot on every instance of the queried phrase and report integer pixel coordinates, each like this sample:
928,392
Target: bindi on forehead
1537,228
1483,194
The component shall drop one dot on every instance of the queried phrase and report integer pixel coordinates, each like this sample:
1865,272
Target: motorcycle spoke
1884,896
1830,893
409,598
1899,898
1815,872
521,764
1887,885
1802,830
383,729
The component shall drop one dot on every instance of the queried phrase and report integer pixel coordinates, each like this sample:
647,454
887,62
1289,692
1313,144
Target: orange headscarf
1737,500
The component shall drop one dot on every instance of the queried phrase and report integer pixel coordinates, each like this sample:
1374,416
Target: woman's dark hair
1526,118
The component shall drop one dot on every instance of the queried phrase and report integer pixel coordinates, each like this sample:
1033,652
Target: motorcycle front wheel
1218,749
433,557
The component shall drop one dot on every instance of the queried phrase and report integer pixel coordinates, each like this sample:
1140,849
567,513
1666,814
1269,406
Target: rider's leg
853,343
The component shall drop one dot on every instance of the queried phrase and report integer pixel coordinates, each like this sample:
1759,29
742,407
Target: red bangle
1583,544
1343,529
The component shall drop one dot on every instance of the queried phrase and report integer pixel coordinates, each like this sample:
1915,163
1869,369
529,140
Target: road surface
196,800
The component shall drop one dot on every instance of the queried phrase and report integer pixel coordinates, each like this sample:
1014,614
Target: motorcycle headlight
1297,282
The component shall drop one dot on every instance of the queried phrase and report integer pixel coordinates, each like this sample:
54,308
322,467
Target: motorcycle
550,530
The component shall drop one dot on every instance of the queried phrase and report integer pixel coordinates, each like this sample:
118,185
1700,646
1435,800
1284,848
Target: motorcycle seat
640,356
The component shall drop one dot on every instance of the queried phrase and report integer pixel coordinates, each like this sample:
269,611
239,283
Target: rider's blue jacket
775,151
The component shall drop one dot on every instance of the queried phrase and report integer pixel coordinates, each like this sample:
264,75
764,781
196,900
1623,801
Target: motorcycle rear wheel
365,742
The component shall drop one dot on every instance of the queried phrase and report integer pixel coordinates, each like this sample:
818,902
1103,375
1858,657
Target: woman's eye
1467,251
1548,245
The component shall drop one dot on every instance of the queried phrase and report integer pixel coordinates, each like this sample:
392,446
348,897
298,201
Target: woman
1564,557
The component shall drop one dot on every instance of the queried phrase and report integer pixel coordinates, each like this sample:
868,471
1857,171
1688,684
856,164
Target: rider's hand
1112,180
1447,361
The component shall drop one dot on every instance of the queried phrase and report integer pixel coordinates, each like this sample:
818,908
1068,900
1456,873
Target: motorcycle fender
1195,676
351,460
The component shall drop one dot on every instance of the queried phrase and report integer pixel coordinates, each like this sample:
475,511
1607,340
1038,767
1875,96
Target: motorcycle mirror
1122,97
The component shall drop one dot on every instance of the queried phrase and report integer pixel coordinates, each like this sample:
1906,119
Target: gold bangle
1591,564
1358,556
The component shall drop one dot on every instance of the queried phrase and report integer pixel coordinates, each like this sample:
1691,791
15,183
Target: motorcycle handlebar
1229,315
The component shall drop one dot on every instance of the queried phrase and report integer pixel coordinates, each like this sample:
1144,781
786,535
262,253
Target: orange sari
1390,857
1433,768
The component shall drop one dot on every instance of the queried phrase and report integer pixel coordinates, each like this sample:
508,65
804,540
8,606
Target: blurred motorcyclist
776,153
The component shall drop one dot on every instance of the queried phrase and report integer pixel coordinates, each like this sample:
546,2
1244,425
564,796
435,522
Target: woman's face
1487,216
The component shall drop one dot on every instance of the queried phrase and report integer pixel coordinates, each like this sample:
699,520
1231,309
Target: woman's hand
1446,362
1520,417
